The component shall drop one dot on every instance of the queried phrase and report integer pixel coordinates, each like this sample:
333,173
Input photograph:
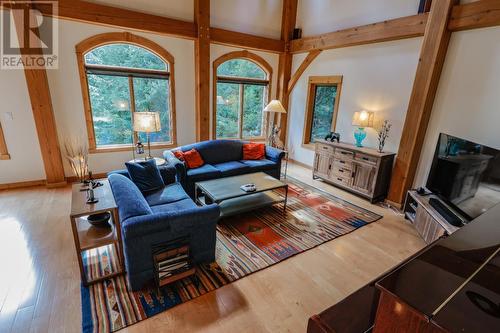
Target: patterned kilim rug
245,244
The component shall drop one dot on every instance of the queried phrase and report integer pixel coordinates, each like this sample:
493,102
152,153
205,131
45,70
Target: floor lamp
147,122
273,107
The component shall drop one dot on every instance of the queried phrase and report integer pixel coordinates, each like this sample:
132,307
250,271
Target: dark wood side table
88,237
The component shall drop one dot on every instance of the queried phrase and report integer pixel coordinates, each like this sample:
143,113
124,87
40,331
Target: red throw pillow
193,159
254,151
179,154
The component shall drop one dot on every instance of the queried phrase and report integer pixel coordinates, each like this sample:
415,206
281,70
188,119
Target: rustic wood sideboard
360,170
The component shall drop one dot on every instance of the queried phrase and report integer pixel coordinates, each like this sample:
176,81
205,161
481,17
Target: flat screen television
466,175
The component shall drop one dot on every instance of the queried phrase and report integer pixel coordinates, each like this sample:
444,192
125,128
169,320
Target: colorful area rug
245,244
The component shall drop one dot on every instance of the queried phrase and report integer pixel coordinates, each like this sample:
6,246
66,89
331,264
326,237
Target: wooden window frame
4,152
315,81
93,42
265,66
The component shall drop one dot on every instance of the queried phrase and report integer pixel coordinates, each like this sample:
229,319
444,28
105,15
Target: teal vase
359,136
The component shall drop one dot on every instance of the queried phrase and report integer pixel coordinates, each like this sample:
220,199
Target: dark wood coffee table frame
235,200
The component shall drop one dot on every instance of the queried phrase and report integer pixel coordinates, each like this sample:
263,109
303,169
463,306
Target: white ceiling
263,17
321,16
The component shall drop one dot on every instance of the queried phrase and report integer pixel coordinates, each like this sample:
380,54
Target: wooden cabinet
361,170
428,222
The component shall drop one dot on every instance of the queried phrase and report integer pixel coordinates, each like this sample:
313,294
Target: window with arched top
242,84
122,73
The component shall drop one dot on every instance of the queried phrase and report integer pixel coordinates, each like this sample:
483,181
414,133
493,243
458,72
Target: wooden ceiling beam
400,28
303,66
202,69
431,61
480,14
41,105
288,20
87,12
233,38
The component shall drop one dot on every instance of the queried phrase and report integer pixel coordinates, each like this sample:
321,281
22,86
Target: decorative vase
359,136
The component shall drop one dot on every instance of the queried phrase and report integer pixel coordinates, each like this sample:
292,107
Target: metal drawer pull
340,161
366,158
339,179
340,170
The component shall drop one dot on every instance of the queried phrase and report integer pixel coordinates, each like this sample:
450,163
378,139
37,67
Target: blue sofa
223,158
149,219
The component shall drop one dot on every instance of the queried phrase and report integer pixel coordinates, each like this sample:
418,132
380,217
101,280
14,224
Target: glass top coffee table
226,192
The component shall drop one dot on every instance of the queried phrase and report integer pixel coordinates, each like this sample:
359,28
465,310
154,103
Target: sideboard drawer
324,148
341,180
342,163
366,158
341,171
343,154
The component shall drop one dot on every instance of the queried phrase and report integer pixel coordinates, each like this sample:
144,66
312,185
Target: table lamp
274,106
147,122
361,119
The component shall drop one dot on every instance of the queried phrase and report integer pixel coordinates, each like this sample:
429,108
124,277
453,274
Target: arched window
242,83
121,74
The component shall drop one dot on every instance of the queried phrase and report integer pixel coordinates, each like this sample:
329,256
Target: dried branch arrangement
77,154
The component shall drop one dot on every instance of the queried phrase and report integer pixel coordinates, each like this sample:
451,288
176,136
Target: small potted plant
383,134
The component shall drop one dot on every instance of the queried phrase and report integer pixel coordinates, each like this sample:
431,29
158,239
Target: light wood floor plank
44,296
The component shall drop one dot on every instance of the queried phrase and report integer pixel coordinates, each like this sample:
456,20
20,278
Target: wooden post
202,68
288,20
43,114
432,56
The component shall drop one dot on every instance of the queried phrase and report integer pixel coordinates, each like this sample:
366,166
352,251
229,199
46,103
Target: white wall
467,103
377,77
67,100
19,131
321,16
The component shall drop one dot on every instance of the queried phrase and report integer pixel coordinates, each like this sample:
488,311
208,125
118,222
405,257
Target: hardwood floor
40,282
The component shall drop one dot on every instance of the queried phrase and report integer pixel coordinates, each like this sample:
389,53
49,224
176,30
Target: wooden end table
89,237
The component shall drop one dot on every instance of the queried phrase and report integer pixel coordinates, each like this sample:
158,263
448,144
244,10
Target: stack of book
173,266
172,263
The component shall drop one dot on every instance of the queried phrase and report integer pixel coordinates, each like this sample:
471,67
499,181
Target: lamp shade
275,106
363,119
147,122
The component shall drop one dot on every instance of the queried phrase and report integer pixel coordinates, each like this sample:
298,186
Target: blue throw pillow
145,175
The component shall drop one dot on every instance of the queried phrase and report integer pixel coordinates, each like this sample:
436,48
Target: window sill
113,149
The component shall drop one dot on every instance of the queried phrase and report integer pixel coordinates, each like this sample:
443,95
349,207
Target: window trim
93,42
315,81
4,152
259,61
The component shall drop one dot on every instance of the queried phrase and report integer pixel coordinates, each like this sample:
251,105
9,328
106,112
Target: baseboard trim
397,205
29,183
300,164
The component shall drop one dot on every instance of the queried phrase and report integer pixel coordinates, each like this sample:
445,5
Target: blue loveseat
223,158
149,219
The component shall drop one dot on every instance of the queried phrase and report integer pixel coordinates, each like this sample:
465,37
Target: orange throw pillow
179,154
193,159
254,151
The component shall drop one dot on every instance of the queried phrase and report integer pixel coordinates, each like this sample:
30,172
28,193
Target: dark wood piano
453,285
